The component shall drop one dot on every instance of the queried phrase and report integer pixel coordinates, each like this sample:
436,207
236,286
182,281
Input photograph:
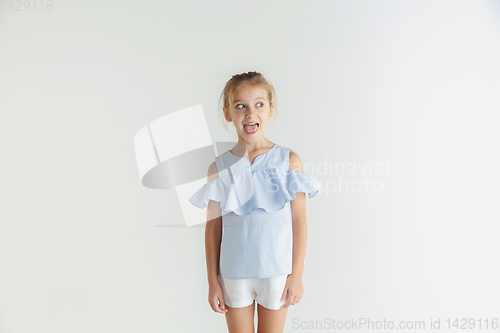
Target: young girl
255,236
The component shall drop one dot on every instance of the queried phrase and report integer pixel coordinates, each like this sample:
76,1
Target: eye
238,106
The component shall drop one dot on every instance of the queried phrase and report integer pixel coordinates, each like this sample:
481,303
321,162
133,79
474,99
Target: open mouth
251,128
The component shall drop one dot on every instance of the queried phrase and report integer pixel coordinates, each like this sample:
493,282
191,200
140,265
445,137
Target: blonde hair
237,81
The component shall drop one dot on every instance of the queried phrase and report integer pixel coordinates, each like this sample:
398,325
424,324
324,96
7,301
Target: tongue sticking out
250,128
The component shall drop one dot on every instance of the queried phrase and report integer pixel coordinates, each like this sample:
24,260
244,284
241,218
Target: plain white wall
407,87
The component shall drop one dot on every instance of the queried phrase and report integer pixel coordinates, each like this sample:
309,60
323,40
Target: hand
294,288
216,298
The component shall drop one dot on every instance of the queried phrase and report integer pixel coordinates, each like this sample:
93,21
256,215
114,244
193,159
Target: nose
250,117
250,112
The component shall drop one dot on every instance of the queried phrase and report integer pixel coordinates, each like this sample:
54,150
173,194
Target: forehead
249,93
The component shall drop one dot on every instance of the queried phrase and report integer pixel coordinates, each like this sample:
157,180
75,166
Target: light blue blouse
257,239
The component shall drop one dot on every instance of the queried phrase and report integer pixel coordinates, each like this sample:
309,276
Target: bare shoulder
212,172
294,162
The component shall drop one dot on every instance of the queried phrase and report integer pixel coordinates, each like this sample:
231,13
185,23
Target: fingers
222,305
292,300
288,303
283,296
217,304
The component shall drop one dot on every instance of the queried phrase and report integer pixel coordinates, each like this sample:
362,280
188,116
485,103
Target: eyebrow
254,99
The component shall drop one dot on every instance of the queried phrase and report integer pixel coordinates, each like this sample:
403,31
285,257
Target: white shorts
267,292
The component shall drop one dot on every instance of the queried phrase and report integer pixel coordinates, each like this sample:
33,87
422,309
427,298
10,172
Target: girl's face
249,105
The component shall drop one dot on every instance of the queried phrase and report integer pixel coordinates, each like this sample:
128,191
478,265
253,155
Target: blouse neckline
256,157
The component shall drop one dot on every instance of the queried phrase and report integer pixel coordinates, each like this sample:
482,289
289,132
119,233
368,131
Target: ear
227,115
271,113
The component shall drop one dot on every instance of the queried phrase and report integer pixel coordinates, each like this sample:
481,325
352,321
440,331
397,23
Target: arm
213,232
294,289
299,225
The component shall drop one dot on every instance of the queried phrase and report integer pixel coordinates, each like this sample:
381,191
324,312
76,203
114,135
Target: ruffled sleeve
302,182
213,190
268,189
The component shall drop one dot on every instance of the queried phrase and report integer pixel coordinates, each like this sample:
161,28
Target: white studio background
406,91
